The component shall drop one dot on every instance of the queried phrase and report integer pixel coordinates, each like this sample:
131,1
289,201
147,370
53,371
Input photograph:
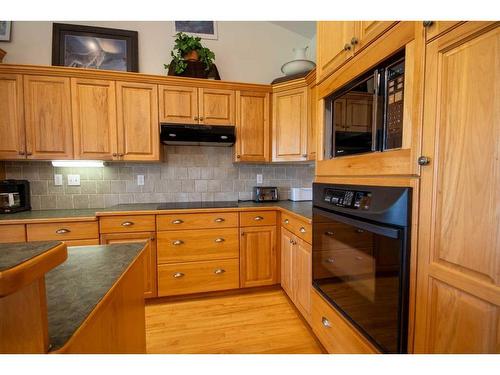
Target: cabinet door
12,141
290,125
137,117
287,241
216,107
333,46
458,281
257,256
150,257
47,110
312,123
252,126
302,278
368,31
94,119
436,28
178,104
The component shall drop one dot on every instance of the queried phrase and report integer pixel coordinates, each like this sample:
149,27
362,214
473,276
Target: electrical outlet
73,180
58,181
140,179
259,179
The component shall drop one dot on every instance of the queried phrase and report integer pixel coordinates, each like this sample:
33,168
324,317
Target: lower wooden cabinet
334,332
12,233
296,266
258,256
150,289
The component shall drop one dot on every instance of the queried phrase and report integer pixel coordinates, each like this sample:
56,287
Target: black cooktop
186,205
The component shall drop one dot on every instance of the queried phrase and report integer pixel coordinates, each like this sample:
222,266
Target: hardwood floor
258,322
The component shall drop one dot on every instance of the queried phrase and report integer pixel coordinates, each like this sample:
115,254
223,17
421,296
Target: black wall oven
361,237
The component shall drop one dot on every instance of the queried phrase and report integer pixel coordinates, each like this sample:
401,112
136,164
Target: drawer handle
329,233
286,221
359,258
219,271
326,323
219,240
302,230
127,224
62,231
359,230
330,260
258,218
178,275
219,220
178,221
177,242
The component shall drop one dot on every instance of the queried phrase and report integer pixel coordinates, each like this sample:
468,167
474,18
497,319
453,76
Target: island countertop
75,287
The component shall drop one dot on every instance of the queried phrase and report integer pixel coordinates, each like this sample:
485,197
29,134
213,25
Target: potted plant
191,59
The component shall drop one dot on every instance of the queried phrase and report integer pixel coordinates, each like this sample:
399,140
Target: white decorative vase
300,64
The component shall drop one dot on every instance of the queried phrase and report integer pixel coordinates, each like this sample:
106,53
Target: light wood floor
257,322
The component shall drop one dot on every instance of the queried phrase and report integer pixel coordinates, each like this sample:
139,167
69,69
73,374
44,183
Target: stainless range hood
197,135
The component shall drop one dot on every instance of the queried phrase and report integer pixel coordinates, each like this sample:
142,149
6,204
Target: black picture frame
61,30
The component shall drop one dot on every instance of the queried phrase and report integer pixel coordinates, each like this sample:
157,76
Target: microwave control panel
348,198
394,106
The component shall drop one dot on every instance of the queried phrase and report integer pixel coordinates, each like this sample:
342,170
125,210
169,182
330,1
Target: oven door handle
369,227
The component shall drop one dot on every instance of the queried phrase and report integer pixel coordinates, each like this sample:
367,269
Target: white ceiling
304,28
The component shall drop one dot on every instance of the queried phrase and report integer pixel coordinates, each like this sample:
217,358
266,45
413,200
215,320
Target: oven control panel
348,198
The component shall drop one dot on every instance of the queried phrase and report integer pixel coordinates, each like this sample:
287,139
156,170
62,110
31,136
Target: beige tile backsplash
188,174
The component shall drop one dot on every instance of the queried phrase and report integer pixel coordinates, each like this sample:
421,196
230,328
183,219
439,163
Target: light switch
140,179
58,181
259,179
73,180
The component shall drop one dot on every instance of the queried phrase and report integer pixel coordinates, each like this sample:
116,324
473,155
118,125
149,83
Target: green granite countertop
13,254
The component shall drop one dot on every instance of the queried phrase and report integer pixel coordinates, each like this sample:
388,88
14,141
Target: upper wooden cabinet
12,140
253,131
434,29
458,281
137,118
191,105
94,119
47,110
338,41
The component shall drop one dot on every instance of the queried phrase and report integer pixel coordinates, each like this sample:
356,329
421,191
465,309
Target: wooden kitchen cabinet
258,256
47,111
434,29
94,119
290,125
253,129
137,119
286,261
12,141
150,266
458,284
12,233
367,31
191,105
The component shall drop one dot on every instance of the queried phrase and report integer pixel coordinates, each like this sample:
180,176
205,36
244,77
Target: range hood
197,135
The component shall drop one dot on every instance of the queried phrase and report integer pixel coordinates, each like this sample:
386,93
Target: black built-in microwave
366,115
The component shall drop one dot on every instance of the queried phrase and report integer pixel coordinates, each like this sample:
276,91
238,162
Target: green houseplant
190,57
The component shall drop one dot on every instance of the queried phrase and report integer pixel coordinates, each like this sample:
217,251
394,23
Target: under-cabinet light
78,163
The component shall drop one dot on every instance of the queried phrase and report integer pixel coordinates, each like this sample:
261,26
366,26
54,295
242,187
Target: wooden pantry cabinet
458,282
192,105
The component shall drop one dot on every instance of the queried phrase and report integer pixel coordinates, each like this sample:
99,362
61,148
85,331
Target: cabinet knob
427,23
354,41
29,153
201,118
330,260
178,275
219,240
347,47
357,230
178,221
127,224
258,218
302,230
219,271
115,154
120,155
329,233
238,156
62,231
326,323
177,242
286,221
424,160
219,220
21,152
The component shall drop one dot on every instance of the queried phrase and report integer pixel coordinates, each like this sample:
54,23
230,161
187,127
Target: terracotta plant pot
191,56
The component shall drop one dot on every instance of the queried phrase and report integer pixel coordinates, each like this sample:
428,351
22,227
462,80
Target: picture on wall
91,47
203,29
5,28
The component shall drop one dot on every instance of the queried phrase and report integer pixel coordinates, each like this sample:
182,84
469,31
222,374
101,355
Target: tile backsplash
187,174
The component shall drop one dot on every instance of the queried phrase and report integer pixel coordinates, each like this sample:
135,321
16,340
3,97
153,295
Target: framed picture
203,29
5,28
91,47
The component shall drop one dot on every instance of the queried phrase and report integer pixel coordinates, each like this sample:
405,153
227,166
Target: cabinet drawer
257,218
62,231
196,277
130,223
198,221
196,245
12,233
333,331
298,227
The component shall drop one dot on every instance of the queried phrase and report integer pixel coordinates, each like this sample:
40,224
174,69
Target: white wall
246,51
